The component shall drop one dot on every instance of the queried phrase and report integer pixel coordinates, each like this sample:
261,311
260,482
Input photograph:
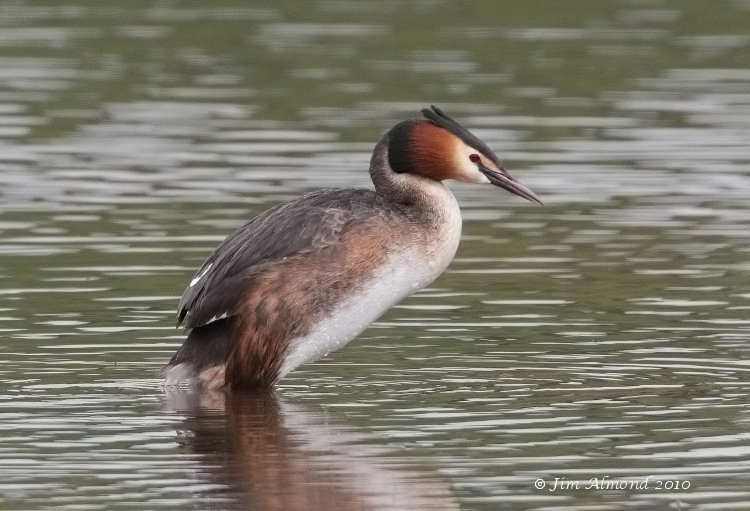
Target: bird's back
305,225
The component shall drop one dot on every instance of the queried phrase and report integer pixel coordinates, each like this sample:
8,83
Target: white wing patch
217,317
200,275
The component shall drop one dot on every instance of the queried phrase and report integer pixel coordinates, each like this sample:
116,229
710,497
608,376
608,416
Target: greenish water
591,354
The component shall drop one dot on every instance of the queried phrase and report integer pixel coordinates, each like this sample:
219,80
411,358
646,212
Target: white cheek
469,172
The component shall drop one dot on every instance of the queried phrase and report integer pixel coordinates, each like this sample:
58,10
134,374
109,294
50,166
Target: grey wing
308,223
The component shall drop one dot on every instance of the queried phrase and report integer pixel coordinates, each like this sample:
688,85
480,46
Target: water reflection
257,449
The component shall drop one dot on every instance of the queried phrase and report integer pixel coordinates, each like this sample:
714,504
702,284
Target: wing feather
305,224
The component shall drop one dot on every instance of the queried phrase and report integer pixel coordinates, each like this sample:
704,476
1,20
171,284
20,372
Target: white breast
409,268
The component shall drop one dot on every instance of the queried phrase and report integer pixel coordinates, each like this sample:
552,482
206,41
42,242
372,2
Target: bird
307,276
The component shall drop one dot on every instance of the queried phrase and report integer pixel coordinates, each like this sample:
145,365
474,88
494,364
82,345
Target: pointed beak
505,181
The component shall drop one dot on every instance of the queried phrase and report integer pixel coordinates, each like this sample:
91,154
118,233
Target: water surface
588,354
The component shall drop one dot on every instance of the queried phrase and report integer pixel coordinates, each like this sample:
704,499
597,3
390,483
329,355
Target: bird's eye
474,157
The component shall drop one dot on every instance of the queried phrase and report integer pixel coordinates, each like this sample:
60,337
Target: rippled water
591,354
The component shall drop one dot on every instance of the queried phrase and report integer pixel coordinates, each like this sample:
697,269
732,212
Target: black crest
438,117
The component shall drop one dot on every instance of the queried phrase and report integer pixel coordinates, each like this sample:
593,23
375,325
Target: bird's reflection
260,453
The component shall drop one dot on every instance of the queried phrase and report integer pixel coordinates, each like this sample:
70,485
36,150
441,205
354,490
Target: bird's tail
201,358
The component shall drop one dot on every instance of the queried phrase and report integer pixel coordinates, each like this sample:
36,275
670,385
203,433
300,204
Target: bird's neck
412,190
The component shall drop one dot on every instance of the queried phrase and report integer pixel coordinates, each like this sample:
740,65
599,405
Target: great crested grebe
305,277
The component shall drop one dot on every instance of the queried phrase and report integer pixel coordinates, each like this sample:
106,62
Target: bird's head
439,148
